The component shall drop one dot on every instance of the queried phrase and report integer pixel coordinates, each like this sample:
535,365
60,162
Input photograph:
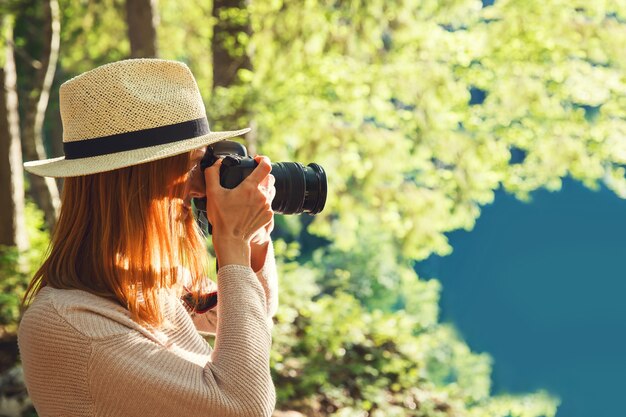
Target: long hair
124,234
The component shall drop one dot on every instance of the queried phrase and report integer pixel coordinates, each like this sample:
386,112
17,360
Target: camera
299,188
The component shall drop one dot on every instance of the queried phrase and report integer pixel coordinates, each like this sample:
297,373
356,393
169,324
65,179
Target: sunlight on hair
126,235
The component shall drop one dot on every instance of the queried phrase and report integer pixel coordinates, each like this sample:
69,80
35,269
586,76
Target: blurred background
469,258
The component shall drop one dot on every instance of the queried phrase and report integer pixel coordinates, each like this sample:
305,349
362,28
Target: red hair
124,234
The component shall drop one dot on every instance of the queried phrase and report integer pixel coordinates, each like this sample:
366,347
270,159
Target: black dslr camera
299,188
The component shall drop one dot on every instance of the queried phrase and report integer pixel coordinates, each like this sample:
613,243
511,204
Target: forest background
418,110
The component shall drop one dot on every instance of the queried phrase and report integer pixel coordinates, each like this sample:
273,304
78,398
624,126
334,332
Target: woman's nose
197,189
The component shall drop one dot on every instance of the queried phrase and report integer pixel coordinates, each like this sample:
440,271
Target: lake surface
541,287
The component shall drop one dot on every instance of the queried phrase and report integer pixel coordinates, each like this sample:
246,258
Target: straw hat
127,113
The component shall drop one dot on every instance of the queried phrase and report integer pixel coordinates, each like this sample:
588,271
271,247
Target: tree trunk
230,54
53,129
44,190
141,18
12,220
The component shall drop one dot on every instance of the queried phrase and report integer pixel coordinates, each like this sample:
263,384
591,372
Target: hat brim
61,167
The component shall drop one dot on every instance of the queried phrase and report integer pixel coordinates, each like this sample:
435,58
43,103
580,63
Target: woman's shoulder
90,315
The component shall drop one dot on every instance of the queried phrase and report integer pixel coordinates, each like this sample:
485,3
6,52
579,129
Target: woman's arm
131,374
83,354
264,266
265,269
242,221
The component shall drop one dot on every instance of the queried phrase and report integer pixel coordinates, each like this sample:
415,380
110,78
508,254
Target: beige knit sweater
84,356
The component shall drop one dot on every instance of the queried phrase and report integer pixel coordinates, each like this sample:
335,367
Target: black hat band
138,139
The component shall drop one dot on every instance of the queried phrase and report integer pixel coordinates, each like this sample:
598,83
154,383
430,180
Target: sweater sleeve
206,323
268,277
131,374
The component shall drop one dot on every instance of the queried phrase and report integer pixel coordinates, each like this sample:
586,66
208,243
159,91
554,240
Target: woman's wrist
231,251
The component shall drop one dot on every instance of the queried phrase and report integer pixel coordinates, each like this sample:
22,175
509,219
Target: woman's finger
212,174
268,181
261,171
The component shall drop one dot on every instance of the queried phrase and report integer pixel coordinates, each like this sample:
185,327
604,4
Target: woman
106,333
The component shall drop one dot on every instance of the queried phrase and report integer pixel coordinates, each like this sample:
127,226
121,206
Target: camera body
236,164
299,188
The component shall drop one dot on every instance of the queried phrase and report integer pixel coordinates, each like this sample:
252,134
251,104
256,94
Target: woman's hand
262,237
260,241
241,214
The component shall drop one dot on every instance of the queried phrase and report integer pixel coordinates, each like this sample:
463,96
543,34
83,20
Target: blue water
541,287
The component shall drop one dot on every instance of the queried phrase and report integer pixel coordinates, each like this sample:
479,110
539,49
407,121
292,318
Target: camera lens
299,189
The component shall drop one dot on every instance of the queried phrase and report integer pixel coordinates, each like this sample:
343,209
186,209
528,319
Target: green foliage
334,357
16,268
373,274
379,93
185,35
92,33
387,97
539,404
